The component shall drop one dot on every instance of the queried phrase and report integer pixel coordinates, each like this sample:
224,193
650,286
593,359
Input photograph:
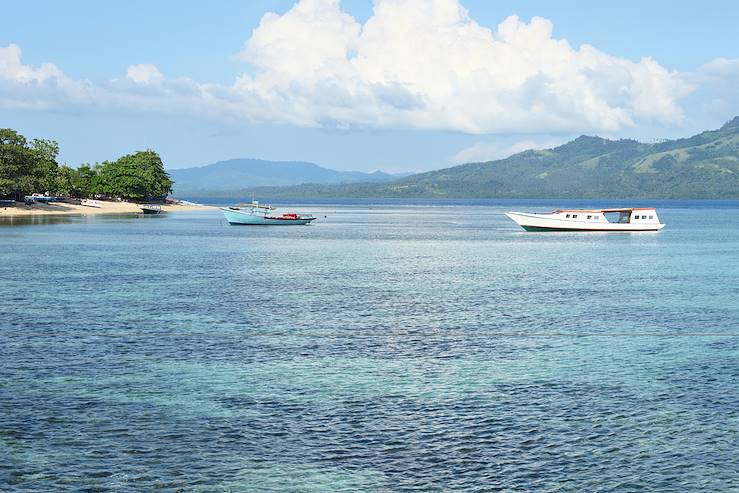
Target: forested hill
703,166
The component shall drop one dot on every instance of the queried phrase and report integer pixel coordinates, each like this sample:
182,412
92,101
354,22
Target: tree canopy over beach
134,176
32,167
26,167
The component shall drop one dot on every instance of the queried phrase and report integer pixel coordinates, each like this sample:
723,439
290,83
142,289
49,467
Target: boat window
590,217
574,216
651,217
617,216
644,217
567,216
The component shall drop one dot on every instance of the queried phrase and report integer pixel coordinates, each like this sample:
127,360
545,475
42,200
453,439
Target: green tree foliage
65,178
135,176
45,168
26,167
72,182
85,178
31,167
14,154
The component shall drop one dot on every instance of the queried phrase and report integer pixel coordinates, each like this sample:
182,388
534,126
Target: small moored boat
626,219
255,214
38,198
150,209
91,203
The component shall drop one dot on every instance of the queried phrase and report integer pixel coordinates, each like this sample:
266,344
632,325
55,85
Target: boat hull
238,218
542,223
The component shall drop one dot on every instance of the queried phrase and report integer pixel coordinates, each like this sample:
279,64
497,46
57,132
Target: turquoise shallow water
387,347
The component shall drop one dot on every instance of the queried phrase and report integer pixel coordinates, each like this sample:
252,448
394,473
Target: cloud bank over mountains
414,64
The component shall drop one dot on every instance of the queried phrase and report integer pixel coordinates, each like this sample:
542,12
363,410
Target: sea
390,346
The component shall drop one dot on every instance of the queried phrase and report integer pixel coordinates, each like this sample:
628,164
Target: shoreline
107,207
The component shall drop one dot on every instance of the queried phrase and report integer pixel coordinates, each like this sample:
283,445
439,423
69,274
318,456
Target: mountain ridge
703,166
221,175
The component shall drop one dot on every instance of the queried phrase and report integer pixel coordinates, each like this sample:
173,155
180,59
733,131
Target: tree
46,150
25,168
72,182
13,155
147,167
85,176
135,176
44,168
65,181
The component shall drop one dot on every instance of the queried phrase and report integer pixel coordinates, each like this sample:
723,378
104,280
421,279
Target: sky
396,85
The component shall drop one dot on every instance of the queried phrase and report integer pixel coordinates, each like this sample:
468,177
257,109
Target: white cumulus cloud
717,81
427,64
489,151
144,89
44,87
13,69
414,64
144,73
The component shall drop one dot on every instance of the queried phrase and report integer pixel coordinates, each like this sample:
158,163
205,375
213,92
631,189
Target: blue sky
392,84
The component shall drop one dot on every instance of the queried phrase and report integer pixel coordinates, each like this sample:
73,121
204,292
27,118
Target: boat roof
624,209
255,204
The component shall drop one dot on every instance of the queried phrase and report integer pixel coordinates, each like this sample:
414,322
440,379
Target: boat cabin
254,206
617,216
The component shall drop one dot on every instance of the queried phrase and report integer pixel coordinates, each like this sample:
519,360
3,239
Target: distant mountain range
240,174
704,166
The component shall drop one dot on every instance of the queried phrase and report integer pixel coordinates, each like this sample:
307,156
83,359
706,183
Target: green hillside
702,166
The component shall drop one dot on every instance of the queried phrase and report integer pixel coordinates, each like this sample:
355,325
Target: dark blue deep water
387,347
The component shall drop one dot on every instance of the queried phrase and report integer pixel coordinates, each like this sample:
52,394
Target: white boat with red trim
255,214
624,219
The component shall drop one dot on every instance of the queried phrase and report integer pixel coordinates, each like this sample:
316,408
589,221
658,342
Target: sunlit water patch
384,348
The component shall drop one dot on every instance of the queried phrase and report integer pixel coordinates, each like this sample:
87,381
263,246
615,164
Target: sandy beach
106,207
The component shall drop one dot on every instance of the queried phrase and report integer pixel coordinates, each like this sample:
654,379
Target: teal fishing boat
255,214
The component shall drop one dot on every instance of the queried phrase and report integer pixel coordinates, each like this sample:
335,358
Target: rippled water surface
385,348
